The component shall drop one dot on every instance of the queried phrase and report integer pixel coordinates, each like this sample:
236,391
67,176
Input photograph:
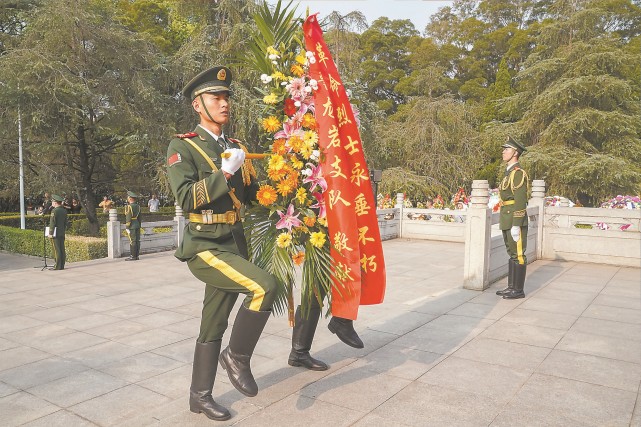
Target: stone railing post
180,225
400,201
476,270
538,199
563,221
113,235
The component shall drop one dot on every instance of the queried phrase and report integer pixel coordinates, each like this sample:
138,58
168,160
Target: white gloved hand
232,163
515,231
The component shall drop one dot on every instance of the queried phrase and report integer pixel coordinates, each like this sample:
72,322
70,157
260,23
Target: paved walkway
111,343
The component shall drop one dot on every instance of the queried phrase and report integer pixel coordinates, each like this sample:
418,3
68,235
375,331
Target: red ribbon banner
354,235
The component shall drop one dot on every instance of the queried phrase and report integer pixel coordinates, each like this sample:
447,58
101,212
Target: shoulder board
186,135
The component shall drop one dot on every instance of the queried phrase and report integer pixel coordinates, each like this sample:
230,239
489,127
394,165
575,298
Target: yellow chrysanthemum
306,151
270,99
296,164
309,121
322,221
276,162
271,124
309,221
297,70
272,51
279,76
285,187
301,195
311,138
298,258
266,195
317,239
295,143
300,58
284,240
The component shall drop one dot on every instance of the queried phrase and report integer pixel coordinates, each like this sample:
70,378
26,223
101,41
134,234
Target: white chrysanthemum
309,54
315,155
265,78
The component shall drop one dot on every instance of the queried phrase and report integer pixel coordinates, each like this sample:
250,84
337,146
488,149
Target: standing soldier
213,190
57,228
513,219
133,220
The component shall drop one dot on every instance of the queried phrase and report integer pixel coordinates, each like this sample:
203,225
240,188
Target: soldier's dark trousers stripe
227,275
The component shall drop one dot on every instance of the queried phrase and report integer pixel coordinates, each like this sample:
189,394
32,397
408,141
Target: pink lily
288,219
315,177
320,205
289,129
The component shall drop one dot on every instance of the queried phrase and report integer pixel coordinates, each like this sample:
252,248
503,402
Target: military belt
209,217
506,203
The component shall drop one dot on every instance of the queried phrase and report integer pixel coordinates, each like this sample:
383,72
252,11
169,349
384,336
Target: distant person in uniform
213,190
513,219
57,228
153,203
133,221
106,204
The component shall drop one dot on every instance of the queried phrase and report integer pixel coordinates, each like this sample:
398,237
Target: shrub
30,242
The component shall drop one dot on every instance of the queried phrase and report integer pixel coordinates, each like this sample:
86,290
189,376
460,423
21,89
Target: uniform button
198,227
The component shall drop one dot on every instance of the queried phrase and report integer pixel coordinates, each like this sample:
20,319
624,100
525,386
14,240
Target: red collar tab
186,135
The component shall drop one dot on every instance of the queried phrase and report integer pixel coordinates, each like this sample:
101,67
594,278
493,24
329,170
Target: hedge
30,242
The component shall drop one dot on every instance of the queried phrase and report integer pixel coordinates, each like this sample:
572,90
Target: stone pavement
111,343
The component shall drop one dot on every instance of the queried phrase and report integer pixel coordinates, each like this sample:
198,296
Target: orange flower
298,258
309,221
266,195
276,175
271,124
309,121
285,187
297,70
278,147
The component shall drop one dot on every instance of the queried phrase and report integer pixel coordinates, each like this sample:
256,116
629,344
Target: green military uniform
513,191
58,226
133,221
215,248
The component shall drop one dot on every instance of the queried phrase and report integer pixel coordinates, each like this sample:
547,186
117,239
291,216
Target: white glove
232,163
515,231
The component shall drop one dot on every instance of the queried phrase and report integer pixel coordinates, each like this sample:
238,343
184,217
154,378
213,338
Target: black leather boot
302,337
344,330
202,382
244,337
519,282
510,278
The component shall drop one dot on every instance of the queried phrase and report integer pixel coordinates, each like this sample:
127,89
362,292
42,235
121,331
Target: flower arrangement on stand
288,230
622,202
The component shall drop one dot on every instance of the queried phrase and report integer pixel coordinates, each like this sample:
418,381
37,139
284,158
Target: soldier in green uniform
213,190
133,220
513,220
57,228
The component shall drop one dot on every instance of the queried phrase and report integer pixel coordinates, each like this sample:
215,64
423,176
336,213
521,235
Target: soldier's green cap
57,198
511,143
132,194
213,80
